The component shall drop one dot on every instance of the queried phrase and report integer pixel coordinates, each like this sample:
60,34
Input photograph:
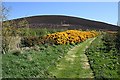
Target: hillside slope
68,22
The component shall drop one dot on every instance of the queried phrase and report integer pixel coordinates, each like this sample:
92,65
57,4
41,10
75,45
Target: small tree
25,26
5,11
4,15
9,32
23,23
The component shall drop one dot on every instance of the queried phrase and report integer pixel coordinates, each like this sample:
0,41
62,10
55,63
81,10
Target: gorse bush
70,36
30,41
66,37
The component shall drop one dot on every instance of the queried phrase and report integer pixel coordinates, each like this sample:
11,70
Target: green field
96,57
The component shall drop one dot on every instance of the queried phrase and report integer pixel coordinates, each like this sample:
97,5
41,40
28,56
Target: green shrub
30,41
118,41
10,36
109,41
103,57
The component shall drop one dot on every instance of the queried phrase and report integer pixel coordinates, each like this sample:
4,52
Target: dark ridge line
62,16
58,21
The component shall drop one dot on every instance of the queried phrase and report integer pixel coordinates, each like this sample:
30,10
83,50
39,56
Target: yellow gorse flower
71,36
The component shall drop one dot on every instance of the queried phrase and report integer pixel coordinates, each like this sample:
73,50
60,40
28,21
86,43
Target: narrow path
74,64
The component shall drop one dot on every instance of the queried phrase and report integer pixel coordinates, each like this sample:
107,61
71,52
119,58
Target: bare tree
5,12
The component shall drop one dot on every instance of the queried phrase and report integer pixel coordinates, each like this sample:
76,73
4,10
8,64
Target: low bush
118,41
10,37
70,36
30,41
103,57
109,41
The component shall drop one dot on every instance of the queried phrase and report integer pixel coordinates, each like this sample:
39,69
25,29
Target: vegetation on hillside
103,57
70,36
36,53
56,21
31,52
32,59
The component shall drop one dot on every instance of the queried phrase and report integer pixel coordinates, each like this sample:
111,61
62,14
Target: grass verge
103,63
32,63
73,64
